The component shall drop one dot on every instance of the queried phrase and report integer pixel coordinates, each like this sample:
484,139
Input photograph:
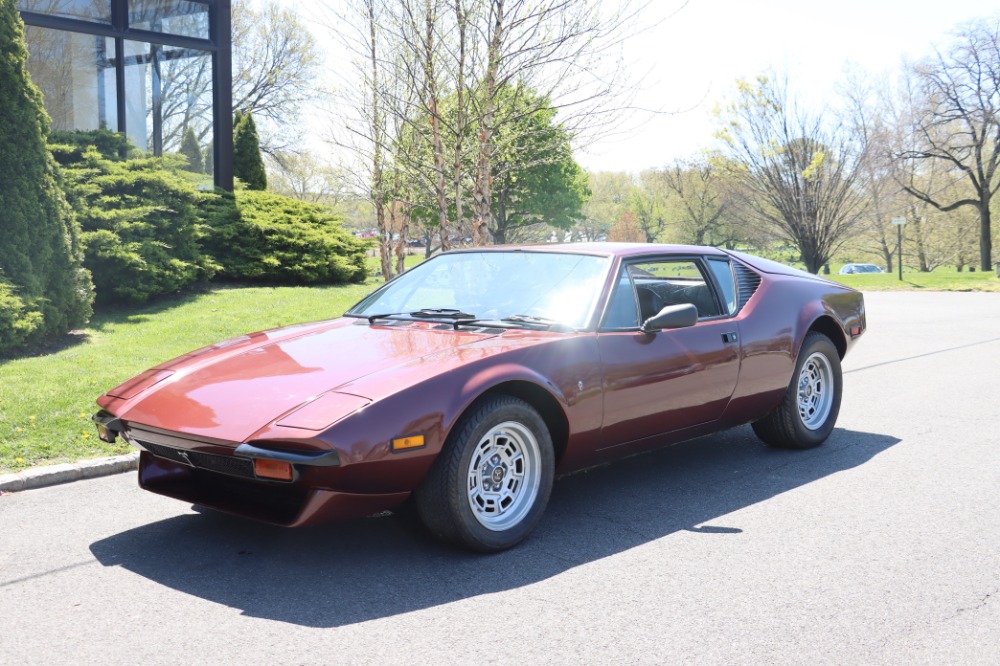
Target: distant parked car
850,269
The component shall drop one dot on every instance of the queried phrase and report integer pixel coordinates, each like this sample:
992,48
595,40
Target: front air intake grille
747,282
240,467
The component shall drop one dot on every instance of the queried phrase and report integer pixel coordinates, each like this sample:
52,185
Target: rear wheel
490,484
808,412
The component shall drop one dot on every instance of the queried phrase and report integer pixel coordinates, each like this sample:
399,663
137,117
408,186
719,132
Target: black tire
477,467
789,428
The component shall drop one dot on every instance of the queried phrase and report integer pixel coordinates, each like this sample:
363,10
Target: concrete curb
50,475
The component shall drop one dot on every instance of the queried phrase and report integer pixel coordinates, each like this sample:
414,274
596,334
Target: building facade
150,69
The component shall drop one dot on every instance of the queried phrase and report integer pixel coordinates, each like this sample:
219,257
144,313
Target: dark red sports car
471,381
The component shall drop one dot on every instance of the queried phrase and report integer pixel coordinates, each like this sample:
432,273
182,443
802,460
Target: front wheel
808,412
490,484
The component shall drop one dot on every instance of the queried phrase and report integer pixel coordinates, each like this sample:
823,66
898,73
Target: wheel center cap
498,473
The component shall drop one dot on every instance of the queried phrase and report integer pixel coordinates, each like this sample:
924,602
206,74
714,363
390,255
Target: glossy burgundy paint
351,386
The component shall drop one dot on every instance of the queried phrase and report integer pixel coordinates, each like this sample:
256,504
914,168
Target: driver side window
643,289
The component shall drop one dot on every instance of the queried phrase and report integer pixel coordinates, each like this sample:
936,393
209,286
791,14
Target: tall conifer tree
44,288
248,165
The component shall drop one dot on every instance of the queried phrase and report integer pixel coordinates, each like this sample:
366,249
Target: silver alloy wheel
816,391
504,476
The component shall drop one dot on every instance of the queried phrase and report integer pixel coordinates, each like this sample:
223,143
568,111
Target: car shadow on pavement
352,572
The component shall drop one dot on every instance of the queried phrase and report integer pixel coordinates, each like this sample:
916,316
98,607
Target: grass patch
941,279
47,399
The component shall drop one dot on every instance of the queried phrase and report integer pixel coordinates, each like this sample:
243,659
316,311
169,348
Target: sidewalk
50,475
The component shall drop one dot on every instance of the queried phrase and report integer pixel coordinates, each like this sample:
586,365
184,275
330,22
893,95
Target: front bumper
223,477
284,504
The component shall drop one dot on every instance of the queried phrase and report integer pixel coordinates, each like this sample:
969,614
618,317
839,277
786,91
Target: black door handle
730,337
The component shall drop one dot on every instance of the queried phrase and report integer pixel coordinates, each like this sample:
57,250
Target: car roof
625,250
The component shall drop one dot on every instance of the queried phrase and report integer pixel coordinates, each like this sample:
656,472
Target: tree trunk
460,18
433,107
378,182
482,193
500,218
985,241
404,224
886,252
918,233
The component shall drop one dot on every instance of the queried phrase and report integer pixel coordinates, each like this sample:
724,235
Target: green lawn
941,279
46,400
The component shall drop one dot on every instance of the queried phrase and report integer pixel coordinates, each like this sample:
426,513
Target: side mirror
672,316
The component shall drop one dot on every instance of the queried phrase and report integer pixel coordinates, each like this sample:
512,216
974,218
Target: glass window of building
86,10
76,74
167,91
177,17
99,65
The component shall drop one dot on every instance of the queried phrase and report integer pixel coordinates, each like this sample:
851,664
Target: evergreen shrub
266,237
248,164
44,289
141,225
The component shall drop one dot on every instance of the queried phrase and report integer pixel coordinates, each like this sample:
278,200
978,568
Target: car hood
232,391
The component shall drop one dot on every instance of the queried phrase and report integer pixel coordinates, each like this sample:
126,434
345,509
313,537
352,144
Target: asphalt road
880,547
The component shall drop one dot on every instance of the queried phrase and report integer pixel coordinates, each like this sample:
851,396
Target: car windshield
519,287
868,268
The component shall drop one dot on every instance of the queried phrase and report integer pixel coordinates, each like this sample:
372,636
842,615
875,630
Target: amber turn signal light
272,469
404,443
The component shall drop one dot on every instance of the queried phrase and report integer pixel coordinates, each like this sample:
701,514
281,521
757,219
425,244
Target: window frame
696,259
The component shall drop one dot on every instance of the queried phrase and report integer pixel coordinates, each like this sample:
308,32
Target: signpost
899,222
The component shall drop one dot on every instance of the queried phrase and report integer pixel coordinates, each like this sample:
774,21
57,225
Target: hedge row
149,231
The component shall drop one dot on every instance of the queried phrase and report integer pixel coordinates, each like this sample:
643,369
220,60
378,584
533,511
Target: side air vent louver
747,283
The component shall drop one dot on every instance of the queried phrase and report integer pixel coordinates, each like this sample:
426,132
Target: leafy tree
537,180
627,230
608,200
702,204
248,165
795,174
647,201
958,124
433,77
44,289
192,151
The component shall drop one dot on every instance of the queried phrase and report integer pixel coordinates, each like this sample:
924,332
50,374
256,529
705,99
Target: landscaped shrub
265,237
43,287
140,224
18,323
70,146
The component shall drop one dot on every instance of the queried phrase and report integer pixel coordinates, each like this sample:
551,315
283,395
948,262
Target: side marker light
406,443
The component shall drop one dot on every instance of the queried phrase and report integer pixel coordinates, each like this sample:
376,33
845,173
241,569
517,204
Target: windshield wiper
551,324
425,313
526,320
